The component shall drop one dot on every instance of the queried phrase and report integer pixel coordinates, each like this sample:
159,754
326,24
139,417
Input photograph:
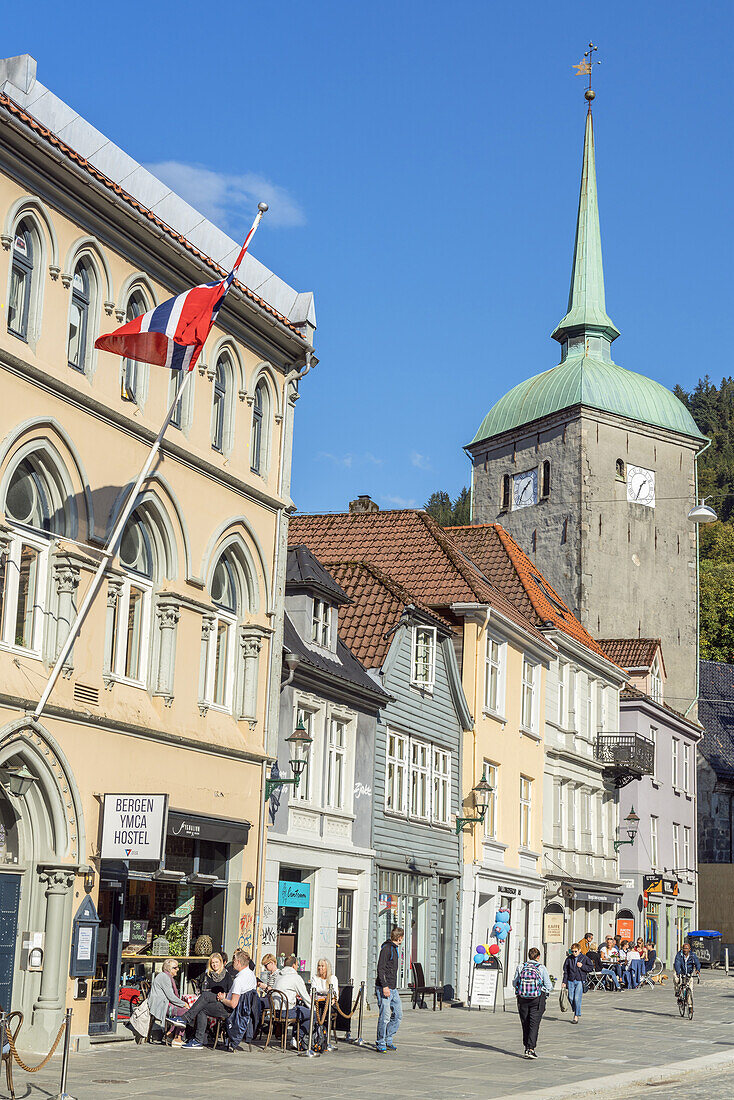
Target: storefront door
344,909
106,981
9,901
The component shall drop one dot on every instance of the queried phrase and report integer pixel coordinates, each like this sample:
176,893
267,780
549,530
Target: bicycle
684,996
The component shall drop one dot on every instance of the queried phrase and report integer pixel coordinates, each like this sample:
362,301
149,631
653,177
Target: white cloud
398,502
348,460
226,199
423,462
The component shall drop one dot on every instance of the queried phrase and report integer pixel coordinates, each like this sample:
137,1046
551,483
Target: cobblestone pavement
454,1053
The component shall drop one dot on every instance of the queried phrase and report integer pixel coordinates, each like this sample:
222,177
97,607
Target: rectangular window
653,840
23,584
173,384
573,699
529,675
304,791
526,795
424,656
491,773
321,624
589,715
654,739
493,675
602,696
130,634
217,644
419,779
336,764
686,767
676,847
396,784
441,805
571,789
675,776
562,669
687,848
585,797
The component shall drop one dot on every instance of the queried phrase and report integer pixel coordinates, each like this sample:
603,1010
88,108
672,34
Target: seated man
290,983
685,962
219,1005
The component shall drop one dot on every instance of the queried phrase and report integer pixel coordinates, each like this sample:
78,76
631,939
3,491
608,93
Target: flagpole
111,548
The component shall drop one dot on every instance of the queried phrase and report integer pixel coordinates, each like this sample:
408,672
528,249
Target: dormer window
424,656
656,681
321,624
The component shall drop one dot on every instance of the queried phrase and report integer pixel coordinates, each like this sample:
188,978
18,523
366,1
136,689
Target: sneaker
193,1045
176,1022
178,1042
381,1050
531,1054
390,1046
294,1044
527,1054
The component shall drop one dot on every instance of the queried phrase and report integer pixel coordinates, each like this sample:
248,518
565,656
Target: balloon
478,958
494,949
485,948
479,949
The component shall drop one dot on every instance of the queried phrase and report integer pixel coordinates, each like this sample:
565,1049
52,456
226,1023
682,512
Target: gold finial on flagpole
585,68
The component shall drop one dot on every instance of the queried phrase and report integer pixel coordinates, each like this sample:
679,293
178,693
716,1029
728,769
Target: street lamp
16,780
631,824
702,513
482,793
301,740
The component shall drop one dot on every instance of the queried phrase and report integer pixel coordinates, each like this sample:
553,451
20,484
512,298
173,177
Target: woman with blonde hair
324,979
216,976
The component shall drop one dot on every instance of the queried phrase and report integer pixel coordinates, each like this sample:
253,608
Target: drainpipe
698,595
260,863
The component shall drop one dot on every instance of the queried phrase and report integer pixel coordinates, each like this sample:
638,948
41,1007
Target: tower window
620,471
545,480
505,493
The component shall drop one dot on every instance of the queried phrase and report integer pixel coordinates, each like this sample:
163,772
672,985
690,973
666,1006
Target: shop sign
656,884
553,928
626,929
186,901
133,826
598,896
199,827
294,895
388,901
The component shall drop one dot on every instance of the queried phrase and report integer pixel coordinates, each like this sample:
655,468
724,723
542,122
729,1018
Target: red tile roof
49,136
498,556
377,604
411,548
633,652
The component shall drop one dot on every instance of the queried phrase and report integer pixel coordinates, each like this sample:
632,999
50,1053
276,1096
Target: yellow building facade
172,686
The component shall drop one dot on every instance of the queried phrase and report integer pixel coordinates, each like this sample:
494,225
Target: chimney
362,505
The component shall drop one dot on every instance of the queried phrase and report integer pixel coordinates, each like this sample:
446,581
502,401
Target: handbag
140,1018
564,1001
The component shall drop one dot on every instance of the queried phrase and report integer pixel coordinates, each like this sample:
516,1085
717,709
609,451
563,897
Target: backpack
528,981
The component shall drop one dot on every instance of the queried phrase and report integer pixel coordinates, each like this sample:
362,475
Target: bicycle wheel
689,1002
682,1003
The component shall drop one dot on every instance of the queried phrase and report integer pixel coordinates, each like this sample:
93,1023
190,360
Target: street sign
133,826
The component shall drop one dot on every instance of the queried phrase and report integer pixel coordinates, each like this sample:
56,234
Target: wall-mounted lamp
301,740
88,873
702,513
16,780
631,824
249,893
482,793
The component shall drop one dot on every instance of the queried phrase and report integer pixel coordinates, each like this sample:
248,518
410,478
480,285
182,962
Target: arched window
506,486
620,475
21,281
220,403
83,291
228,670
129,605
131,376
260,437
545,480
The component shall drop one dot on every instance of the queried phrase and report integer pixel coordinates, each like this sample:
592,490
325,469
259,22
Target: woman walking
575,969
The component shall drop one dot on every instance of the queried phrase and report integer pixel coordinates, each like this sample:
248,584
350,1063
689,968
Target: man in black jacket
391,1010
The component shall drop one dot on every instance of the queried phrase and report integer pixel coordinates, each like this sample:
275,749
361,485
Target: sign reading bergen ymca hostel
134,826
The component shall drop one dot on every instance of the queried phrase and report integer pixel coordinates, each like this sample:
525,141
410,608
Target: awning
606,897
200,827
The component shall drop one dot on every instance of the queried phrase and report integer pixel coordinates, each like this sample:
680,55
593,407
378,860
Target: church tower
591,468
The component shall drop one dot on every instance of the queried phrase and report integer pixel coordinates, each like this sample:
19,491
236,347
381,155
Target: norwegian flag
173,334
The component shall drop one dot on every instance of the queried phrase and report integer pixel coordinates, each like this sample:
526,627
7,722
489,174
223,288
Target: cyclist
685,962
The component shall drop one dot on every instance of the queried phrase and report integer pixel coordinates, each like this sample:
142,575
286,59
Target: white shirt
289,982
320,984
633,953
244,981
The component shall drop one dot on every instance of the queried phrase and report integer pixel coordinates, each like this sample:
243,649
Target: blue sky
422,162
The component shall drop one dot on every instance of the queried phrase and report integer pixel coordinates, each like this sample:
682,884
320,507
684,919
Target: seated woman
650,956
324,980
217,978
269,971
164,1002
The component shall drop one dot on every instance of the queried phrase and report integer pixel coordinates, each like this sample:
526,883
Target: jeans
609,973
391,1013
575,991
202,1009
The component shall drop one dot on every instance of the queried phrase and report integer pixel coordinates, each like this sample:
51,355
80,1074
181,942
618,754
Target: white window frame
656,681
118,640
337,753
675,762
321,623
420,676
491,774
430,776
654,853
441,787
210,666
571,816
419,765
494,668
305,791
526,810
400,765
654,739
10,594
529,685
676,846
562,670
589,704
687,847
686,767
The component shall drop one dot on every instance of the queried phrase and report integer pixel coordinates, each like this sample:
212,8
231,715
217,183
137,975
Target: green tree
450,513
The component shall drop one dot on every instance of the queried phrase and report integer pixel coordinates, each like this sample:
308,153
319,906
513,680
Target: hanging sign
388,901
134,826
656,884
294,895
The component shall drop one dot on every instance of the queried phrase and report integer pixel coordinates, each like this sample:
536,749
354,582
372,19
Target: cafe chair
420,989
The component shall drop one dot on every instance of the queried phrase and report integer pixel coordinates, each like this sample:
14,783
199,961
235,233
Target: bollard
726,960
310,1052
62,1093
359,1041
329,1046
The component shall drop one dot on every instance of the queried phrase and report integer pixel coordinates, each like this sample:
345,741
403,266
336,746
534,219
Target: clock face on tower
525,489
641,486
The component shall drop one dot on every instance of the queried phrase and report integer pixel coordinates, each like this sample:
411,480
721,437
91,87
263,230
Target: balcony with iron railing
624,756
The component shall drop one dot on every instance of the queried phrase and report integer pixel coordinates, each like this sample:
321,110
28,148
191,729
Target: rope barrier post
2,1029
348,1024
310,1052
62,1093
329,1046
359,1041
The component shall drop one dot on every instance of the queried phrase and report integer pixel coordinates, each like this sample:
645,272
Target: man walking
532,985
388,1000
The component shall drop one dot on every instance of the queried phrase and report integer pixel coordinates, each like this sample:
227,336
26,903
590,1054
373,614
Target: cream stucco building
172,687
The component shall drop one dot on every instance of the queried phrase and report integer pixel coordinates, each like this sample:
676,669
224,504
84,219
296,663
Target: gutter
694,701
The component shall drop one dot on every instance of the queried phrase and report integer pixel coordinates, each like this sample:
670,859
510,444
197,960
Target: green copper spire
587,315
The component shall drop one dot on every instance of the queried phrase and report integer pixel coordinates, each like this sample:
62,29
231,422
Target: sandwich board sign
485,980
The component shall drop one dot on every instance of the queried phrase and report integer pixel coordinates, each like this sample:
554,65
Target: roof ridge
395,588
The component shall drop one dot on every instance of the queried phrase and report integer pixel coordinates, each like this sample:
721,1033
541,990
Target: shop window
423,662
409,909
652,917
